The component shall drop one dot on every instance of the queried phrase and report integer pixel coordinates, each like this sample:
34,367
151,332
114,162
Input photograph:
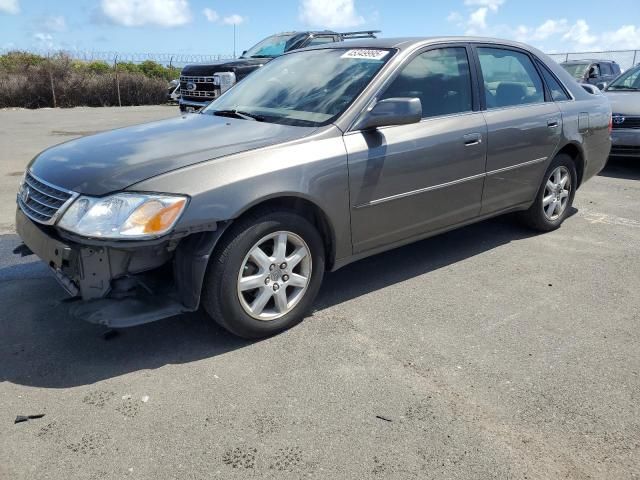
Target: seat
510,93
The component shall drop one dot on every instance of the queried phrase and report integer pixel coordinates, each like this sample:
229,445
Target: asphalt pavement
488,352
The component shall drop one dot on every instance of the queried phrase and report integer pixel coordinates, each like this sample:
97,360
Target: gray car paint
380,166
136,153
317,165
626,104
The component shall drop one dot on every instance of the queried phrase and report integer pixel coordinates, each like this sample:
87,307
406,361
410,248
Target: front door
524,129
406,181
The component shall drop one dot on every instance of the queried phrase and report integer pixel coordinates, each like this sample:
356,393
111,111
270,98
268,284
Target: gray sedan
624,95
320,158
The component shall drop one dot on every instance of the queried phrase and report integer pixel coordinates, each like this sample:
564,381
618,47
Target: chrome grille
185,78
196,93
629,122
205,87
41,201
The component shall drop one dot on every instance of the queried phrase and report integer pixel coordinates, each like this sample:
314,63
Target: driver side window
440,78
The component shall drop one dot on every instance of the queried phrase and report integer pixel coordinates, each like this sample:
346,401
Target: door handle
553,123
472,139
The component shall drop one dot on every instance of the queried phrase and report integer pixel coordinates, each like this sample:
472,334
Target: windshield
629,80
306,88
272,46
576,70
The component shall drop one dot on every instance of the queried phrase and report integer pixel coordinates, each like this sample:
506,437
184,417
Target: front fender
313,168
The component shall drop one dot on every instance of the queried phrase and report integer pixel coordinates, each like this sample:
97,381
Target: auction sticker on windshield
366,53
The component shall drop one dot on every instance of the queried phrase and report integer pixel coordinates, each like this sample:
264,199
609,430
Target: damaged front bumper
123,284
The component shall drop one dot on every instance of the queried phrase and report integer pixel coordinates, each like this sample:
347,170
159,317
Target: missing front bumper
118,288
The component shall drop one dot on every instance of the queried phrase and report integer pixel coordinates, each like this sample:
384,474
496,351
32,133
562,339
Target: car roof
307,32
588,60
409,43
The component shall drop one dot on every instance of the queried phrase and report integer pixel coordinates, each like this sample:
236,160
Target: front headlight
124,216
224,80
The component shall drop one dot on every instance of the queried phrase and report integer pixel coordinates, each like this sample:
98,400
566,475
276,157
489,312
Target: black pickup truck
202,83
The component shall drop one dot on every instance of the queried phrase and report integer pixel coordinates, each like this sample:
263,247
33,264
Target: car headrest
510,93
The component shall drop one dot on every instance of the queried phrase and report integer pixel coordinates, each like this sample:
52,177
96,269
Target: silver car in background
322,157
624,95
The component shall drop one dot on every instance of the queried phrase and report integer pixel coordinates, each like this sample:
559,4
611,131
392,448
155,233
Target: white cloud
478,19
579,34
454,17
234,19
135,13
44,40
492,5
54,23
626,37
11,7
554,34
550,28
212,15
330,13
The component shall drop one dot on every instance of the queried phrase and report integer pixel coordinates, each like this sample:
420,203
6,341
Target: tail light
610,123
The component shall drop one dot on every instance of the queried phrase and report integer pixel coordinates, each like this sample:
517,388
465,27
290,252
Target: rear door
409,180
524,126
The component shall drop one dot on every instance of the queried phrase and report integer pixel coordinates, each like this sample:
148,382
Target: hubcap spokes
556,193
274,276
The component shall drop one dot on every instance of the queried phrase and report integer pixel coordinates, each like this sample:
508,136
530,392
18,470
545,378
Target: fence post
53,89
115,66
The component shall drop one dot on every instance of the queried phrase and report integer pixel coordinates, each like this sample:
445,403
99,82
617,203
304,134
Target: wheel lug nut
267,281
276,287
283,266
285,278
272,267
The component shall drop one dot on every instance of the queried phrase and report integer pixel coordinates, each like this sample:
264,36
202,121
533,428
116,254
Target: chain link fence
119,79
625,58
177,60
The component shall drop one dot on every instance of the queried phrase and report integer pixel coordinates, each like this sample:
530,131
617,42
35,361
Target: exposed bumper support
124,286
193,104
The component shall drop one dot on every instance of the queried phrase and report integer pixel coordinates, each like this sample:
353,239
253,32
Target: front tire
265,274
555,196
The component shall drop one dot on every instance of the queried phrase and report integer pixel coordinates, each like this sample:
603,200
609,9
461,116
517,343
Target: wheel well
311,212
576,155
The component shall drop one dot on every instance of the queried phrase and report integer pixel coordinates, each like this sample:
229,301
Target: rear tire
265,274
555,196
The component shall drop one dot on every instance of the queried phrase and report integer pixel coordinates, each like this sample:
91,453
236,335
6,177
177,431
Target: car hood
626,103
241,64
112,161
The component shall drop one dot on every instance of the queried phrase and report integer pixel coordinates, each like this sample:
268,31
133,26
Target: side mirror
601,85
392,111
244,53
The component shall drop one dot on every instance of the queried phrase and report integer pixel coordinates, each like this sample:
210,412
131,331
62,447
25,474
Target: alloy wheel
557,192
274,276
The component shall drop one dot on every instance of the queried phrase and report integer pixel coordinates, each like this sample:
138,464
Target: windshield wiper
239,114
262,56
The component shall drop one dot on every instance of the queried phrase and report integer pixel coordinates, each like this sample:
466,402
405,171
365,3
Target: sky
206,26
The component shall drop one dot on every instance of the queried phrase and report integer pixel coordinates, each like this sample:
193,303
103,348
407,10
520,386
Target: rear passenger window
320,41
557,92
509,78
605,69
440,78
